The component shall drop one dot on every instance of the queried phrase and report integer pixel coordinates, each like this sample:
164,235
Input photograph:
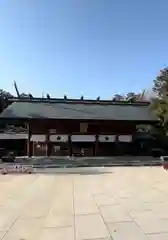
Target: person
165,165
164,162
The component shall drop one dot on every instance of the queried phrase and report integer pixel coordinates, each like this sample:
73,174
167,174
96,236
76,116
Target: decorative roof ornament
30,96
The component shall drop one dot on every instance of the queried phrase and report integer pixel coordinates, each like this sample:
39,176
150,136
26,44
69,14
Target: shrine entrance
106,149
59,149
83,149
83,145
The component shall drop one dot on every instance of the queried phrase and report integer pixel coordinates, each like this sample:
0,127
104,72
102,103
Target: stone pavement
89,204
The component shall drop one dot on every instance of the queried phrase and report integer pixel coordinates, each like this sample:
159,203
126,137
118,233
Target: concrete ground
122,203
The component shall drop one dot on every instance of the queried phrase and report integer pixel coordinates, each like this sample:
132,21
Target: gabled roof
78,110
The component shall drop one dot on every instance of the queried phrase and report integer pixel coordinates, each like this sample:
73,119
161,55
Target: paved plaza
120,203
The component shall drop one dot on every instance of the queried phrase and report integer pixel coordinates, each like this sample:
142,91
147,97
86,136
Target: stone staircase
68,162
120,161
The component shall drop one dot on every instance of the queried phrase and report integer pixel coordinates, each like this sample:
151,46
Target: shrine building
66,127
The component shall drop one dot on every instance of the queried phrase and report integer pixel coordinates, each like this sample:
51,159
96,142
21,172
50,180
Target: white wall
38,138
83,138
13,136
125,138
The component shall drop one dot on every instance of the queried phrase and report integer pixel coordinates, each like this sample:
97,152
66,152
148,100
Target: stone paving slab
115,213
158,237
85,204
62,233
90,226
59,220
2,234
127,230
25,229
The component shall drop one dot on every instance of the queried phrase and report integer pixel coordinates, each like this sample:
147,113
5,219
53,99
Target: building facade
62,127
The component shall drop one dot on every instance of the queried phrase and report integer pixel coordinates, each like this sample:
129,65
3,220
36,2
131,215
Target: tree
137,96
118,97
160,102
161,84
3,99
4,94
131,96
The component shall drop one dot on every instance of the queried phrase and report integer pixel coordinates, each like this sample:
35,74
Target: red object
165,166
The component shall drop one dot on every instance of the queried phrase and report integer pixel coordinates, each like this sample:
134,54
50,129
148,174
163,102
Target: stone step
63,162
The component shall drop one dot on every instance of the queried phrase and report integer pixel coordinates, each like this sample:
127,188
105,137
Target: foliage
5,94
161,84
3,99
131,96
118,97
160,102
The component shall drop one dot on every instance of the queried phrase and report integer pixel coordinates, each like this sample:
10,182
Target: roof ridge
80,101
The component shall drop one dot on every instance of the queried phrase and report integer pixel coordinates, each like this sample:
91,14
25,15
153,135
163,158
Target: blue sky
89,47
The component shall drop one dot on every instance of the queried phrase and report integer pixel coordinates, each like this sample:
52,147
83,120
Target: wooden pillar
69,145
48,152
29,139
96,145
117,147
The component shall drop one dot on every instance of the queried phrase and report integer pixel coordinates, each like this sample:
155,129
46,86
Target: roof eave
80,119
